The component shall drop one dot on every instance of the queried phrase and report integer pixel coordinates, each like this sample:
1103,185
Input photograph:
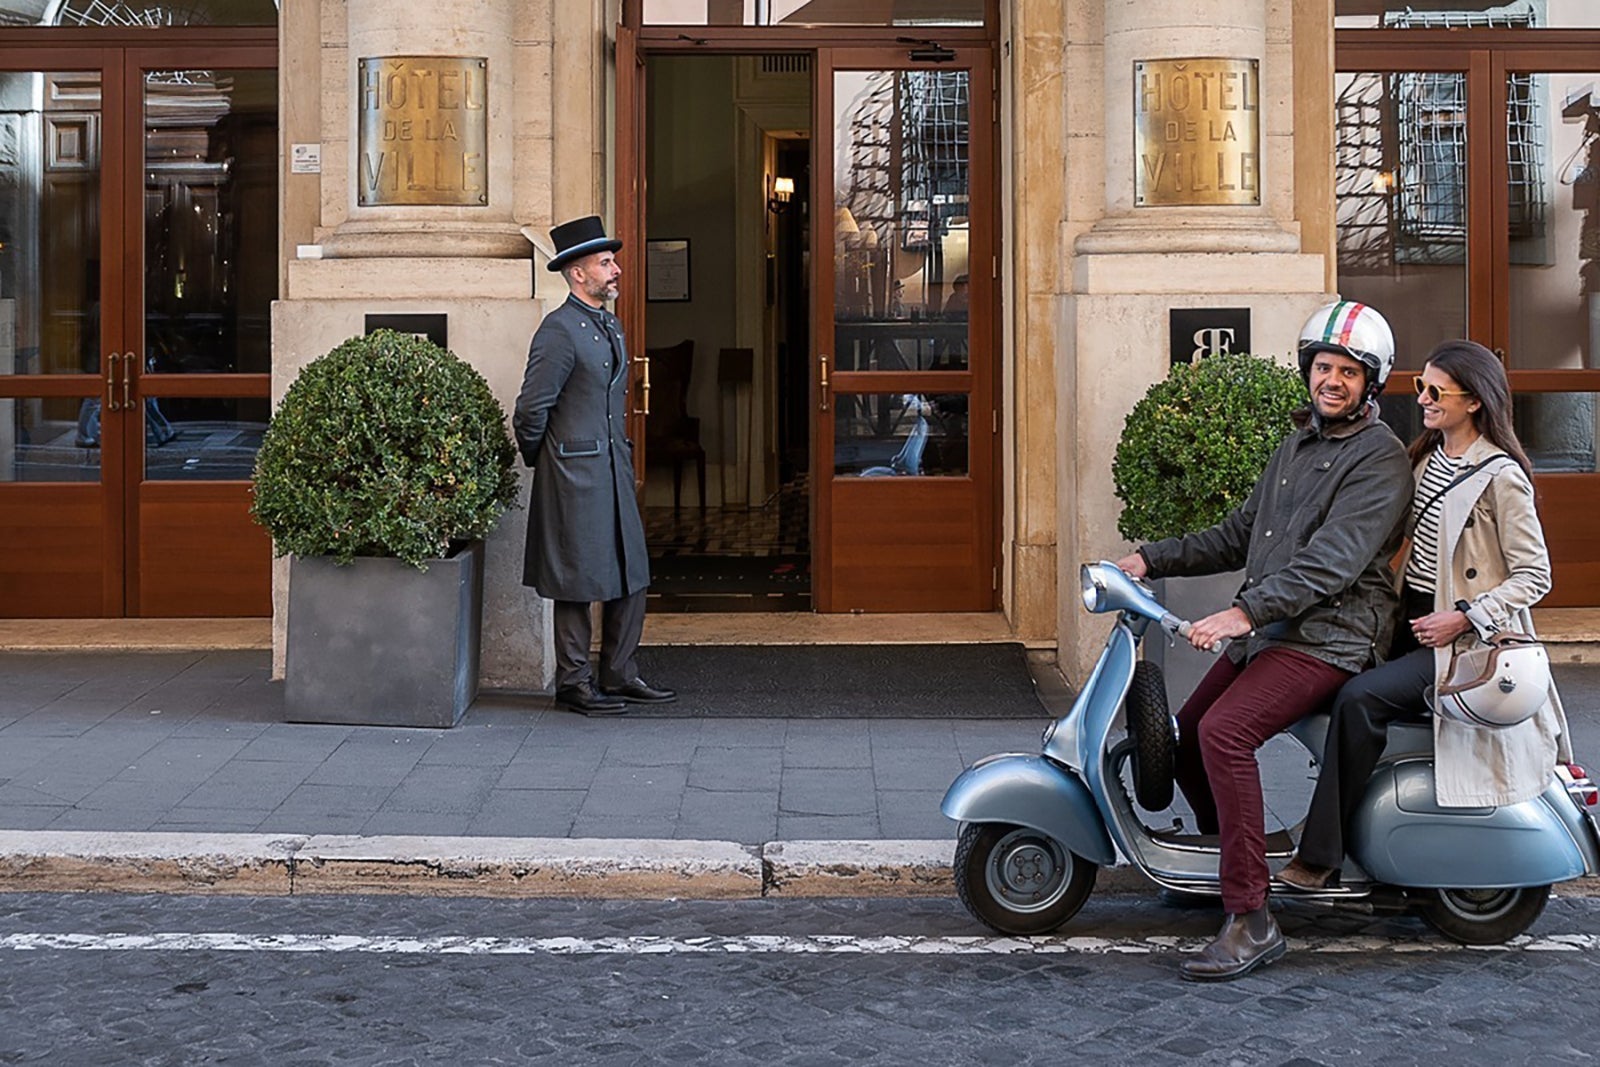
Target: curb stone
528,867
79,861
44,861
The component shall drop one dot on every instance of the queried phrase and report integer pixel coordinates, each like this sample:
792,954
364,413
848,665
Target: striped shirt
1423,565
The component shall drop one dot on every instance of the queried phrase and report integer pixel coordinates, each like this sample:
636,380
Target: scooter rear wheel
1483,916
1018,880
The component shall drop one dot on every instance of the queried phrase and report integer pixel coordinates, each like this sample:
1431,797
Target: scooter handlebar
1183,627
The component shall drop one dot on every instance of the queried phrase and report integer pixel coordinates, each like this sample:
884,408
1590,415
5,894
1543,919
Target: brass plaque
1196,132
423,131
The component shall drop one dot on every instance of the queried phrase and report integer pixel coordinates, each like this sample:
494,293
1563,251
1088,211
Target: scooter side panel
1401,836
1034,792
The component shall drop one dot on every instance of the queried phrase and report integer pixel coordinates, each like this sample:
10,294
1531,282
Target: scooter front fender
1034,792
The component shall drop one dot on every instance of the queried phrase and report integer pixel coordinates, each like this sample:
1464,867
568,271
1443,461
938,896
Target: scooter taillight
1580,788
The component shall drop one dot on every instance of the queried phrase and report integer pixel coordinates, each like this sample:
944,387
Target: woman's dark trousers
1362,712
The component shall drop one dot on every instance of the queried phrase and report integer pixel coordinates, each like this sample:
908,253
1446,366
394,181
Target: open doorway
727,489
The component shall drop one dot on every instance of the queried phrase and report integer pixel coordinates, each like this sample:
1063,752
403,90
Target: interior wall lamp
782,192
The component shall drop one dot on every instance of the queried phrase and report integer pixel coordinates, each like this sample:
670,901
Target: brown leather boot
1305,877
1247,941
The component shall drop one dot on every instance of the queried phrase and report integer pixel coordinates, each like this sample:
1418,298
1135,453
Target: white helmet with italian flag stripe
1348,328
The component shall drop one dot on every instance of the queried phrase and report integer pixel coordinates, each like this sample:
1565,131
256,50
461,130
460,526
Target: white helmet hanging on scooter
1497,684
1348,328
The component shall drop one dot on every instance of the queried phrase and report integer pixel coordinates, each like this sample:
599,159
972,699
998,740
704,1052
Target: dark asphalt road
1399,996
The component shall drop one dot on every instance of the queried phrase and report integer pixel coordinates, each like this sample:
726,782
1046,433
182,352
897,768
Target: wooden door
61,335
630,231
134,335
1463,205
904,299
199,276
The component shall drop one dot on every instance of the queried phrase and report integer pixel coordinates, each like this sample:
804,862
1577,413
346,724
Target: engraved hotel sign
1196,132
424,131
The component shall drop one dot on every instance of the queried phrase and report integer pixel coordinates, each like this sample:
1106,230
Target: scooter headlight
1092,588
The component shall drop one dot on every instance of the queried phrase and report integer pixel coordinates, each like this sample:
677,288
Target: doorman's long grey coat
585,539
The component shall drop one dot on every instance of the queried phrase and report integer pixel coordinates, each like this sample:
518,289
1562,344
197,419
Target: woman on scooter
1475,544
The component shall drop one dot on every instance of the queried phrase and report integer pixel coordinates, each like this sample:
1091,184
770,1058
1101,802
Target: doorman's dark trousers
621,626
1233,712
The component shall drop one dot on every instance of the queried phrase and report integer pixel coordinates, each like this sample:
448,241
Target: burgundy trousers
1233,712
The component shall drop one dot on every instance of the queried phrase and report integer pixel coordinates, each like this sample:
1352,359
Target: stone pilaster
1133,264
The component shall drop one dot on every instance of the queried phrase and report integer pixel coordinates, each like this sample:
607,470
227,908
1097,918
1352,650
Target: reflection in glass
1400,172
797,13
1558,430
49,439
884,435
1554,180
901,228
203,439
1473,14
211,234
49,223
144,15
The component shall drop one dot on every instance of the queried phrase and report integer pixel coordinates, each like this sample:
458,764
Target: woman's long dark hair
1478,371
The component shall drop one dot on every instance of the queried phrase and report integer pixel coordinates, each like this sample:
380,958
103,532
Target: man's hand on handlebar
1208,634
1133,565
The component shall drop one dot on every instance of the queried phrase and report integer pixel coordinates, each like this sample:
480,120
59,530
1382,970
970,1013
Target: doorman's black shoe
585,699
1247,941
640,691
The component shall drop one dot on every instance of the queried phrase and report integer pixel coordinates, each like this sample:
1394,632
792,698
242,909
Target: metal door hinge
994,420
995,575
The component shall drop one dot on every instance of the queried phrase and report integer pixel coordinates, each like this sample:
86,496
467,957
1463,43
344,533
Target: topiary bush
386,446
1192,449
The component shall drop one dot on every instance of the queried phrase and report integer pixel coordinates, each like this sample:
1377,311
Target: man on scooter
1317,606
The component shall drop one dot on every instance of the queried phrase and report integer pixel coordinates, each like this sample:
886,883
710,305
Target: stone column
469,262
1134,264
468,28
1234,29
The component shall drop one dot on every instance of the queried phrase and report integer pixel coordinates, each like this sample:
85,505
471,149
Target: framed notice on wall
666,270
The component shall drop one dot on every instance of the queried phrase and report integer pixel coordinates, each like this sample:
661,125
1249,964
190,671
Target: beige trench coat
1492,552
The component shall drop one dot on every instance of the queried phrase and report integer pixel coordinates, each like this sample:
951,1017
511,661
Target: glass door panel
1553,206
1400,161
905,323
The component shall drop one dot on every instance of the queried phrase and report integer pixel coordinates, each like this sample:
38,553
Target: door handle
111,382
127,380
644,383
822,394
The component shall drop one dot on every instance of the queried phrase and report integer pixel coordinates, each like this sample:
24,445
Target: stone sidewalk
187,745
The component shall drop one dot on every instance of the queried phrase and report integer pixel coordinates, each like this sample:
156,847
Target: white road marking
817,944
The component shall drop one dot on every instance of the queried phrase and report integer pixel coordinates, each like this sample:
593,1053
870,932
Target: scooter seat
1405,738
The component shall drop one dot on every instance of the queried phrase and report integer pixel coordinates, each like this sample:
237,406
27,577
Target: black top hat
579,238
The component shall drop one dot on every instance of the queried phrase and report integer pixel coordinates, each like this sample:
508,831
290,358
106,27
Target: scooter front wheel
1483,916
1018,880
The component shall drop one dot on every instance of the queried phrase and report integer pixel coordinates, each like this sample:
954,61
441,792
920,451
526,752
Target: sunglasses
1435,394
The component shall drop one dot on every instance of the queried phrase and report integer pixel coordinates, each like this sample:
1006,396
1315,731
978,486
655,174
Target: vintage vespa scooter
1035,829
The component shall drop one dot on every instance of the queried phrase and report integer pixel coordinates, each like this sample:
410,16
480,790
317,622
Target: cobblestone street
881,983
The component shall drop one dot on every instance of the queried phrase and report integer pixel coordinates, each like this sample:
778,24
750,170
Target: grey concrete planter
1192,599
379,643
